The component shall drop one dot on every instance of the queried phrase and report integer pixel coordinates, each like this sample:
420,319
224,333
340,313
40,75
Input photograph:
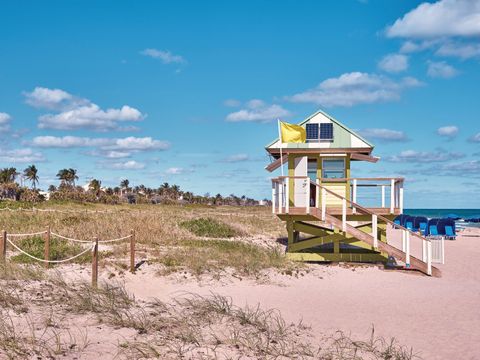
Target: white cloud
236,158
444,18
460,50
412,156
475,138
42,97
394,63
448,131
78,113
441,69
231,103
354,88
258,111
24,155
178,171
385,135
110,146
127,165
4,122
472,166
164,55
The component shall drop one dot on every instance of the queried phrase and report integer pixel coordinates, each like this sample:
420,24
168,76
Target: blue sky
188,92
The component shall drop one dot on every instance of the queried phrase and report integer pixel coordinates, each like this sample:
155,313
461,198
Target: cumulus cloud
475,138
448,131
4,122
384,135
441,69
413,156
106,147
178,171
459,49
258,111
444,18
472,166
24,155
354,88
232,103
236,158
127,165
76,113
164,55
394,63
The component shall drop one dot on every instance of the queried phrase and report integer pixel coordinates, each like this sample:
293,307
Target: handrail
356,206
343,179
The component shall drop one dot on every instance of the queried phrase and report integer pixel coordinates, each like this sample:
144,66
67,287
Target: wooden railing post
132,251
344,215
308,195
3,246
375,230
274,196
280,196
401,197
404,235
95,264
354,195
407,249
383,196
287,195
317,193
392,196
429,257
424,251
47,246
324,203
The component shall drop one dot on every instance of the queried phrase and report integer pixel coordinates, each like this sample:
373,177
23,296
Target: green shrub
59,250
209,228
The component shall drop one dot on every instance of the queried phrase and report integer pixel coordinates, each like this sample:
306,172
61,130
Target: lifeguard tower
317,199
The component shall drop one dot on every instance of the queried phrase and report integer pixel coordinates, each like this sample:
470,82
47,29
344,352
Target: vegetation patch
59,250
209,227
213,256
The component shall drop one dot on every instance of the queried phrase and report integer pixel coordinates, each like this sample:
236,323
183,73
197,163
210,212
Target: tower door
300,185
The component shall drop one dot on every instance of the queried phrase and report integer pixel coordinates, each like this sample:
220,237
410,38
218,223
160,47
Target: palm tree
124,185
31,173
72,176
63,175
8,175
95,186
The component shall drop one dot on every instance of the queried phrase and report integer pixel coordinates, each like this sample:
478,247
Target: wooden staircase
334,228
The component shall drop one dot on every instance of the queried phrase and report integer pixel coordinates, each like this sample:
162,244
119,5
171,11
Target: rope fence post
3,246
47,246
132,251
95,263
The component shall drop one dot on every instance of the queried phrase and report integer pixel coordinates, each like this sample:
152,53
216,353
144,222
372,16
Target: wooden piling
3,246
132,251
95,264
47,246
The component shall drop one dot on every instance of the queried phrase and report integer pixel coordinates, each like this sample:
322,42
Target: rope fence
7,238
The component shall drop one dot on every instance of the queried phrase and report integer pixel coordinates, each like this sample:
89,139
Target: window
312,169
312,132
326,131
333,168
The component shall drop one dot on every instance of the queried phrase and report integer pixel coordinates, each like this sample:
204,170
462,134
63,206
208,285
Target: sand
438,317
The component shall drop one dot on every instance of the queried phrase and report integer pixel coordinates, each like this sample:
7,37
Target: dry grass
199,239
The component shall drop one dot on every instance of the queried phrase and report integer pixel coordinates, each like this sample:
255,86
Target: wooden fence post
47,246
132,251
95,264
3,246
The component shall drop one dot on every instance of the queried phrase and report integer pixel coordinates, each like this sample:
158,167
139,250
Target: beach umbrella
453,216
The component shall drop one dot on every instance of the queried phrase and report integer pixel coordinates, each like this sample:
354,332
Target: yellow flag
292,133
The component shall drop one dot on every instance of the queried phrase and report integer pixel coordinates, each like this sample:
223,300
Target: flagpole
281,144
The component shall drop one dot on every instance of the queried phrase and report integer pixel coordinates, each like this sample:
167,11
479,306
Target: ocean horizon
439,213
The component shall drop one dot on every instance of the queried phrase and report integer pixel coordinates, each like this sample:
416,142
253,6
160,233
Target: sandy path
439,318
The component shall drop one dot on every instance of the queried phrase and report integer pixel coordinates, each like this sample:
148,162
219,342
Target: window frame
324,168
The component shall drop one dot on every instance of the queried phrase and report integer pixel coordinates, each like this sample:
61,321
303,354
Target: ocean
441,213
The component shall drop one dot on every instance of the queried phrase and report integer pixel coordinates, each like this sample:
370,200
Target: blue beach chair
450,232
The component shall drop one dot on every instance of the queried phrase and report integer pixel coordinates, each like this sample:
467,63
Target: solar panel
312,131
326,131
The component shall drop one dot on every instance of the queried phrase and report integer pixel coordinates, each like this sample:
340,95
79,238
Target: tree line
68,189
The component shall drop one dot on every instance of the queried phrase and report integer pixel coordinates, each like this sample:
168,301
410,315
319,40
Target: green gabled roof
334,121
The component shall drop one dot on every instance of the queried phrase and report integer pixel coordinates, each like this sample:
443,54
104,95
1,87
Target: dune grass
208,227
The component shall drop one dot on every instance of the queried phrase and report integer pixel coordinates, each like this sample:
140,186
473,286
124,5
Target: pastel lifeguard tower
317,199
